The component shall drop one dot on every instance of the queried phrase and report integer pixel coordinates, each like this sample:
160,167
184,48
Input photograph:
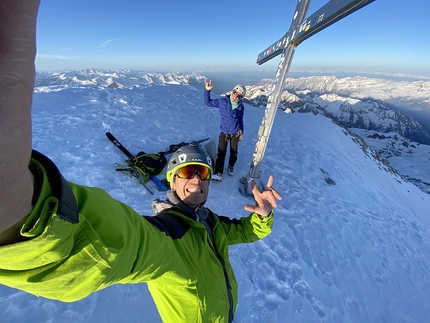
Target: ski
137,173
152,177
130,162
159,183
119,145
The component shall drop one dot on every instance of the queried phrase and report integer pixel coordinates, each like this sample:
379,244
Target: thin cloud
107,42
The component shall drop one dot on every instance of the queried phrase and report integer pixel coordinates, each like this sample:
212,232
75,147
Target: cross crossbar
327,15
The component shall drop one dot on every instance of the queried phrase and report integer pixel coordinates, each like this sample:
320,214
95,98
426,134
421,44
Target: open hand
208,85
265,201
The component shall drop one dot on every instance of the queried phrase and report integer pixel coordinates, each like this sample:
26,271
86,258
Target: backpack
150,163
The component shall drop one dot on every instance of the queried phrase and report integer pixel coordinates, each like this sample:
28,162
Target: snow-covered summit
351,238
354,102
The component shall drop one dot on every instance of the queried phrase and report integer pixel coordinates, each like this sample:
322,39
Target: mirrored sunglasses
240,96
189,171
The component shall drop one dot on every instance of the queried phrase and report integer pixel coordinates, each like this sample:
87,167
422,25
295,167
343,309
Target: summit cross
300,30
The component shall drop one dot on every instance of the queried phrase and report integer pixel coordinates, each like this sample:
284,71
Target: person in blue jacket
231,110
65,241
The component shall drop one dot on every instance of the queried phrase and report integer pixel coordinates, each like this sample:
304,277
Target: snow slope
351,238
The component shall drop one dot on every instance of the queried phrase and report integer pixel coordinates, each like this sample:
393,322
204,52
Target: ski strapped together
143,172
133,169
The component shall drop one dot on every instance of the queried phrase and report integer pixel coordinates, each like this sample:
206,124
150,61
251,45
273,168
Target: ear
172,186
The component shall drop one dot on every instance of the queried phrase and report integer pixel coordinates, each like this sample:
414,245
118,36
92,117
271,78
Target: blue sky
387,36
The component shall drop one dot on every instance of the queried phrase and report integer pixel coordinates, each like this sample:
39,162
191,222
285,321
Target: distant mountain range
359,102
384,113
114,78
393,117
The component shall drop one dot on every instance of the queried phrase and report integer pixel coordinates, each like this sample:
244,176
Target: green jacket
71,254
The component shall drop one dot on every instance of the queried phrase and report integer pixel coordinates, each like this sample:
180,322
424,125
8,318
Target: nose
197,175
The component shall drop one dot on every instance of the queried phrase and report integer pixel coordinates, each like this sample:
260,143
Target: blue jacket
231,120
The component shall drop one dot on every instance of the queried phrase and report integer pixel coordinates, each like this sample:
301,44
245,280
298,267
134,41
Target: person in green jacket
64,241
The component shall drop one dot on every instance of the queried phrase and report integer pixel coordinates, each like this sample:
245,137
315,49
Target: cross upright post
300,30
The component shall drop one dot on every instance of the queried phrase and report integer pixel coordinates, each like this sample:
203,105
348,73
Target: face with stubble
192,191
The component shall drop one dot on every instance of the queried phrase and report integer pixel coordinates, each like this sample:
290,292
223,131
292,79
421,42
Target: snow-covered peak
121,78
351,237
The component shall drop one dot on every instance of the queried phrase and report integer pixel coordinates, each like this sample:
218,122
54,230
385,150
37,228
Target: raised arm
17,53
207,95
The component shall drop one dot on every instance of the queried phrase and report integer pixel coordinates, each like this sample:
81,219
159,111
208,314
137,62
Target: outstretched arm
208,85
17,53
265,201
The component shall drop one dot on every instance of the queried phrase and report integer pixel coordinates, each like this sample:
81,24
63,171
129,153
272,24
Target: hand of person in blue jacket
239,135
208,85
265,201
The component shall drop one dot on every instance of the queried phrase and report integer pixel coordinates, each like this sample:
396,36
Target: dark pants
222,150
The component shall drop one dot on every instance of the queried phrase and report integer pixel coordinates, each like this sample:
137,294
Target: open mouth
194,189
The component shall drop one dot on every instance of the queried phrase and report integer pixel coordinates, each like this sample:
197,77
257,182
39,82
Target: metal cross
300,30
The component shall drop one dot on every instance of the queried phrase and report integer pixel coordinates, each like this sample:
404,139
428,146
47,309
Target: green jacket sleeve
246,229
80,240
110,243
